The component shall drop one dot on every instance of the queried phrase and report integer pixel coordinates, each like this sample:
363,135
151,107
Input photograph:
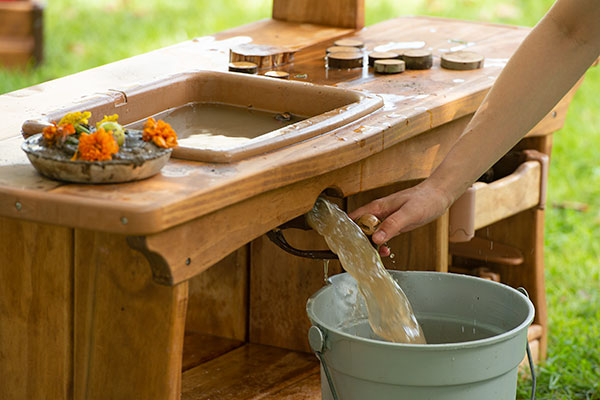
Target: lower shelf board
254,372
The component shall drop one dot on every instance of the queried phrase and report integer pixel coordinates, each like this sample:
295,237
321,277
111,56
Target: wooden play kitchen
168,287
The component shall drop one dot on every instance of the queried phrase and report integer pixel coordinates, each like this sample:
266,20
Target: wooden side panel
280,286
128,330
36,283
524,231
341,13
425,248
218,298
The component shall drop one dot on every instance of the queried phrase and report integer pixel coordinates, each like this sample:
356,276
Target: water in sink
216,125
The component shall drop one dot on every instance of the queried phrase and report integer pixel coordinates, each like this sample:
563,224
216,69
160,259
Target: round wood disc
389,66
277,74
245,67
344,60
398,52
418,59
462,60
341,49
381,55
350,43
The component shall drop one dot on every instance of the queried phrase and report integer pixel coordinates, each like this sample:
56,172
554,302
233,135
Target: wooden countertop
415,102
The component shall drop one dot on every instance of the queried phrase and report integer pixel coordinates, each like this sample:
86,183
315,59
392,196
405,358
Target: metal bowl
79,171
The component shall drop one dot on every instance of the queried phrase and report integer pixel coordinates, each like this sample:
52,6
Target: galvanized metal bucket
476,332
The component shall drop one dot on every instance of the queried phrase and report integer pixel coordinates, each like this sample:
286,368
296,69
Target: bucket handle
316,339
529,358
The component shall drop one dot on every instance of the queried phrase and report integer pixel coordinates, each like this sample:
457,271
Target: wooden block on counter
417,59
462,60
389,66
345,60
381,55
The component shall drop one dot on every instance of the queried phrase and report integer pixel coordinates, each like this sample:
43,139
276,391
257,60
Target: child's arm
547,64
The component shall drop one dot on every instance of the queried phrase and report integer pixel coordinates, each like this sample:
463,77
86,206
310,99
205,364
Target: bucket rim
434,346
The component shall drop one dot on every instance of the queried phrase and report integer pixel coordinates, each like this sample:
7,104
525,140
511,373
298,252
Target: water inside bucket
436,330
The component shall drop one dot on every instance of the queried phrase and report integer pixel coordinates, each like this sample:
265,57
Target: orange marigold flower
160,133
97,146
57,133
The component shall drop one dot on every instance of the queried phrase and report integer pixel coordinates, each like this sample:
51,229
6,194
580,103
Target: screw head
18,206
188,261
124,220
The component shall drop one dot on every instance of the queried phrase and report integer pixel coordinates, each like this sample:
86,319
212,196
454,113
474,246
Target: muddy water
390,314
219,125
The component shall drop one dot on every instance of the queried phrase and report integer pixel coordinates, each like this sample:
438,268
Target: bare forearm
547,64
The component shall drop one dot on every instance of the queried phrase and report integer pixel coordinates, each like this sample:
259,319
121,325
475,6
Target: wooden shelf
254,372
199,348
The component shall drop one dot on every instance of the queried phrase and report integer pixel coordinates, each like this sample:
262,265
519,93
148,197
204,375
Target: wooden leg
128,329
525,231
36,283
424,249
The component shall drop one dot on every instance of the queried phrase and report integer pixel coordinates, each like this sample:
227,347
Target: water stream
390,314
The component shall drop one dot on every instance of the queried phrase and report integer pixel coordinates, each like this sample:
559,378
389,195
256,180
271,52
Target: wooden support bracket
186,250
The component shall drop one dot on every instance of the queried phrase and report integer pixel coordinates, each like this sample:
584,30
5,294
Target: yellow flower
97,146
107,118
160,133
75,118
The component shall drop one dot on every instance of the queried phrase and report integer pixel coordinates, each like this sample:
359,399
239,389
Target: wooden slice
417,59
341,49
262,55
381,55
244,67
277,74
350,43
397,52
389,66
345,60
462,60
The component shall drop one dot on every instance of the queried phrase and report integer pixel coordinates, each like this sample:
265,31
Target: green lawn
84,34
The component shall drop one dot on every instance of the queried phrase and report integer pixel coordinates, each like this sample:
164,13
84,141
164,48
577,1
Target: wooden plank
342,13
487,251
170,251
16,52
17,18
292,35
280,285
199,348
507,196
250,372
36,303
222,287
128,330
425,248
307,389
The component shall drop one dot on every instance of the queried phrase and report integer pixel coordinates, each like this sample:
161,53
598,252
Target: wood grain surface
249,372
128,330
341,13
415,103
36,311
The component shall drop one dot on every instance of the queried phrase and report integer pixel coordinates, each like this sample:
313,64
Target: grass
84,34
